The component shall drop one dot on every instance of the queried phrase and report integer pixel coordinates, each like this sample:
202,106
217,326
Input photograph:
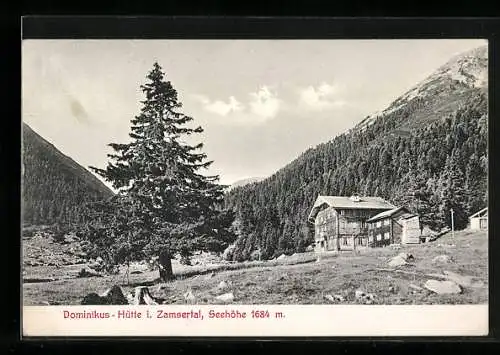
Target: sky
261,102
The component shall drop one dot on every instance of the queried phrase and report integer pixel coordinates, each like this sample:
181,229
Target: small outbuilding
479,220
396,226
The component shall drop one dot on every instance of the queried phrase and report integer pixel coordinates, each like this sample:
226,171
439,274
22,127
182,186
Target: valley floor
298,279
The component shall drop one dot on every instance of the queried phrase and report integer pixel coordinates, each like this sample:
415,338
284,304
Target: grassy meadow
297,279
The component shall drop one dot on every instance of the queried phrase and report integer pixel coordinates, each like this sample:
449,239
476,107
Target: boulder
442,287
87,272
223,285
367,298
359,294
406,256
93,299
142,296
442,259
113,296
281,257
329,298
397,261
334,298
227,297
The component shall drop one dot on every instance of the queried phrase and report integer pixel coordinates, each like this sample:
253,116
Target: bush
228,254
255,255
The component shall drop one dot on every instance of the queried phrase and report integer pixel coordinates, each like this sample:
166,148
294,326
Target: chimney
355,198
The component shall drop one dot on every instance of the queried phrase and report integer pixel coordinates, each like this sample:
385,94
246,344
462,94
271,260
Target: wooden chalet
396,226
479,220
340,221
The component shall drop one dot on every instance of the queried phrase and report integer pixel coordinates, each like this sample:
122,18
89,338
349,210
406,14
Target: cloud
261,106
321,97
264,103
220,107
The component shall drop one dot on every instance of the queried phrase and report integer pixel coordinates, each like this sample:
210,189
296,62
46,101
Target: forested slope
54,187
428,150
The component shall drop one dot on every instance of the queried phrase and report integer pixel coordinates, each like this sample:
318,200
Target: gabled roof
346,202
479,213
391,213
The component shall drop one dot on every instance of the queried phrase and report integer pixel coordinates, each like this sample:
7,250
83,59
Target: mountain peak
463,72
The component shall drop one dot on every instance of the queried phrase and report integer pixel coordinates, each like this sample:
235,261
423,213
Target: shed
479,220
395,226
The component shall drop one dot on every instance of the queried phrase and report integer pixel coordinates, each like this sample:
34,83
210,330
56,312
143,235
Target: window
379,224
379,236
386,222
386,236
370,239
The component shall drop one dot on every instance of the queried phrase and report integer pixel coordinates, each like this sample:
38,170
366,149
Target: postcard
267,187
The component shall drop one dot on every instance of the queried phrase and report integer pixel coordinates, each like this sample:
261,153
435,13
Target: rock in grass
359,294
84,272
442,259
334,298
227,297
329,298
114,295
442,287
339,298
406,256
93,299
397,261
143,296
401,259
222,285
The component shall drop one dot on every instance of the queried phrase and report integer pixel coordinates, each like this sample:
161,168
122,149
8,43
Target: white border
298,320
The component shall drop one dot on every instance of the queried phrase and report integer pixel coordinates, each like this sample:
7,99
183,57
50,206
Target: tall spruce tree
176,208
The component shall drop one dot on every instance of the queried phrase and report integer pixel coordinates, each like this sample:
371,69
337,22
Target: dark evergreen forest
430,167
54,187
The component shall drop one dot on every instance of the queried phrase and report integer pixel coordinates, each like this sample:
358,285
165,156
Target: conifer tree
175,208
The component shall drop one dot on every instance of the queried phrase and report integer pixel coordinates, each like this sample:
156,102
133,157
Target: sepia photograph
254,172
